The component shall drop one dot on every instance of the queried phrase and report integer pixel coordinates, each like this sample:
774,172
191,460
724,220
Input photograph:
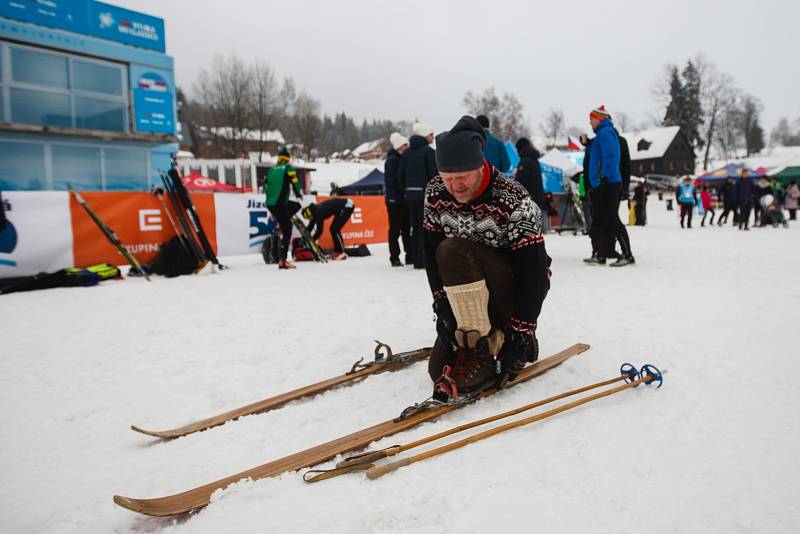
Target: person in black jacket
728,201
529,173
417,168
395,201
340,209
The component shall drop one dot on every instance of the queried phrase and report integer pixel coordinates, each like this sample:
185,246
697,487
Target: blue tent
553,178
513,157
732,170
371,184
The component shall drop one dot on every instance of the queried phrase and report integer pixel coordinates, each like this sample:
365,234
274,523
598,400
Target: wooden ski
199,497
384,361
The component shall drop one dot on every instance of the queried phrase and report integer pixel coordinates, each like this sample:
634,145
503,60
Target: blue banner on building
65,14
153,100
90,18
125,26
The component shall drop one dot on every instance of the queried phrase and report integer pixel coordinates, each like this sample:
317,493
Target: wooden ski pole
378,471
363,461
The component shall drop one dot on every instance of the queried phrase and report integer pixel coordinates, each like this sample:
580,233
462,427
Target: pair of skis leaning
199,497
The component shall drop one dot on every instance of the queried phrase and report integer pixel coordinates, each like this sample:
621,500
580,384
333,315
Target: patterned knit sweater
503,217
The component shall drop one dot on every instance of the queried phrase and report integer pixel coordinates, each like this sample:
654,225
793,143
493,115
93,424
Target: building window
126,169
59,89
78,166
21,166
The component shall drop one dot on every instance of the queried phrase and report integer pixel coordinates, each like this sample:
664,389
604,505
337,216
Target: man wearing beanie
486,263
279,181
395,201
605,179
495,151
529,173
417,168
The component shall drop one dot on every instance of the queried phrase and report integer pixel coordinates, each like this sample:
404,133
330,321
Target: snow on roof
367,146
657,141
250,135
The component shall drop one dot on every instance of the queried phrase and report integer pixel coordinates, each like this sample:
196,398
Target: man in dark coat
529,173
728,200
744,193
395,201
487,266
417,168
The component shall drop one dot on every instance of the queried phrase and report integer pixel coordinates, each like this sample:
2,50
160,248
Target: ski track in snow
714,450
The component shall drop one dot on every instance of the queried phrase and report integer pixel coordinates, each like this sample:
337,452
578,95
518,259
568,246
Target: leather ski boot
475,364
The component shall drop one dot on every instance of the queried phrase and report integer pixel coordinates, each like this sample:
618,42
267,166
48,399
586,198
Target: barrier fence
48,230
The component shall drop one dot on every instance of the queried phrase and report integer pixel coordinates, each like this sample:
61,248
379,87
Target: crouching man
487,267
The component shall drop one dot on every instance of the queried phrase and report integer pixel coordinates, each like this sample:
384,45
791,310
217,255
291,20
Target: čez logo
150,220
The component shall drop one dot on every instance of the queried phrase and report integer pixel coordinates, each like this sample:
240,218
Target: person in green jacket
277,184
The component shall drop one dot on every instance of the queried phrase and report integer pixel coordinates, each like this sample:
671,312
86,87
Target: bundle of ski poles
632,377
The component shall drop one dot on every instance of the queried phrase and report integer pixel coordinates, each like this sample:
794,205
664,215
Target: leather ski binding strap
383,354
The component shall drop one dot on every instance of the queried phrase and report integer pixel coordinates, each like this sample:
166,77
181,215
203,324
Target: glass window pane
21,166
35,67
76,165
99,114
37,107
126,169
230,175
96,78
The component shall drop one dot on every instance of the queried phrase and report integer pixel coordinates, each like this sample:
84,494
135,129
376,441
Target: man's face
463,186
429,138
402,149
594,122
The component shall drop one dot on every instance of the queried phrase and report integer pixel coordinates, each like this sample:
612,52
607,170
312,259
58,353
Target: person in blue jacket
605,179
686,195
495,151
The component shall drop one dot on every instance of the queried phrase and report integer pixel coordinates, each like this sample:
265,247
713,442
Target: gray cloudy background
415,60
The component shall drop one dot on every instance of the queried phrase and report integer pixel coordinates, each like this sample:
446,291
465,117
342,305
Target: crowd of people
765,198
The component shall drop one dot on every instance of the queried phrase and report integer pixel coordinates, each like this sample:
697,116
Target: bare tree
553,125
307,123
727,130
718,95
225,91
266,102
623,121
505,114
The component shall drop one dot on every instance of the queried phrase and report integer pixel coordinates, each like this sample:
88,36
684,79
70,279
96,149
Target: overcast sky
416,59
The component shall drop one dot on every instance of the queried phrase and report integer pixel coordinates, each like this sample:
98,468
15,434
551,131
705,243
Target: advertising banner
242,222
125,26
37,235
136,218
71,15
153,99
369,222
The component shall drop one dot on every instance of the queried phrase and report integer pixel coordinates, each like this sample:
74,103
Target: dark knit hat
522,143
461,149
283,153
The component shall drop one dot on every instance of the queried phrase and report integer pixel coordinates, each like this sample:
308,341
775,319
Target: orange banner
138,220
369,222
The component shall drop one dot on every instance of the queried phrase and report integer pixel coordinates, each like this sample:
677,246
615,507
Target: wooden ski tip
153,433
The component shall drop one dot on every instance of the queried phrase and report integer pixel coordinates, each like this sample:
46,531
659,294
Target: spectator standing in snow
606,181
495,151
728,201
762,188
640,198
686,195
278,182
529,173
744,194
340,209
792,199
396,207
417,168
708,206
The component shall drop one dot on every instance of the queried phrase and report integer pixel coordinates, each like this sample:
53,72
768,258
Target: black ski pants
416,211
686,210
711,211
339,220
608,225
283,214
460,262
399,229
744,215
723,218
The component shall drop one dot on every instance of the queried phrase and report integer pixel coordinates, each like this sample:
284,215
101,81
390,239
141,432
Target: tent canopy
555,158
732,170
197,182
788,171
371,184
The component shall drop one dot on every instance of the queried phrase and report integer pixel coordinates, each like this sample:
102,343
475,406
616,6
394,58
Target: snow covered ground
714,450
